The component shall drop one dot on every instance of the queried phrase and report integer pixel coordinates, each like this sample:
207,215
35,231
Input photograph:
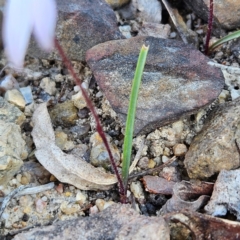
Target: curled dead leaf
188,196
65,167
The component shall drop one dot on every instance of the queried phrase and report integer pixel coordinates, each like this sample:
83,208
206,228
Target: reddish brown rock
116,222
226,12
154,184
81,25
177,79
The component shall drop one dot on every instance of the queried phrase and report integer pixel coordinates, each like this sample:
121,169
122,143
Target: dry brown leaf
204,227
188,196
65,167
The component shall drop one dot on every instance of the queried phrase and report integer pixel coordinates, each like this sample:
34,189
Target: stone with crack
216,147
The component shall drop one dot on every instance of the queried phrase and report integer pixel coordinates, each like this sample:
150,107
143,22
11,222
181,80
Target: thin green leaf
127,145
225,39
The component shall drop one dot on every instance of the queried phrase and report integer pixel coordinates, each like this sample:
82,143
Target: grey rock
38,174
62,142
10,113
116,222
143,10
48,86
80,130
226,13
81,25
12,150
99,156
225,195
64,114
177,80
215,147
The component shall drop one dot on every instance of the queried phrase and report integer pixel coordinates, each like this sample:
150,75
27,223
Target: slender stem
209,30
97,120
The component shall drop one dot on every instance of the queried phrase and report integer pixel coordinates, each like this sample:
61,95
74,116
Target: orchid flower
21,19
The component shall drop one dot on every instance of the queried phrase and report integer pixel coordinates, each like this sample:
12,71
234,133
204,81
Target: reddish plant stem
209,30
97,120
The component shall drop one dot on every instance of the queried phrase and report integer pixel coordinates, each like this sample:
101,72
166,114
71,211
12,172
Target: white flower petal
45,18
17,28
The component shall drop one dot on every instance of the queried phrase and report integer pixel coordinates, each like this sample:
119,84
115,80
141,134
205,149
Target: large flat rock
81,25
177,79
116,222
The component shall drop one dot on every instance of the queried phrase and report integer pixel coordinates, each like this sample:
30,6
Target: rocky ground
186,144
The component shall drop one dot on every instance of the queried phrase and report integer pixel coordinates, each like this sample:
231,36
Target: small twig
154,170
209,30
232,70
96,118
33,190
180,26
137,157
7,199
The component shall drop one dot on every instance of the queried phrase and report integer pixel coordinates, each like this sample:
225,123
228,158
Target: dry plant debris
66,168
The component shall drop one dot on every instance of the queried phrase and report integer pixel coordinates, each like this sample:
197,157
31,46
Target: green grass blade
127,145
225,39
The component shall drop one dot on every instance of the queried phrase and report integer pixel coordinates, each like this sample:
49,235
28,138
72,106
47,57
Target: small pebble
94,210
16,98
69,208
178,128
59,78
137,190
79,100
24,180
48,86
76,88
151,163
100,204
157,160
59,187
171,174
44,198
99,94
62,142
52,178
68,194
81,198
166,151
126,31
173,35
165,159
143,163
25,217
223,96
40,205
179,150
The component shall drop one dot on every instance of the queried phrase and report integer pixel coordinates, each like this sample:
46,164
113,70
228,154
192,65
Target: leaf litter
66,168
